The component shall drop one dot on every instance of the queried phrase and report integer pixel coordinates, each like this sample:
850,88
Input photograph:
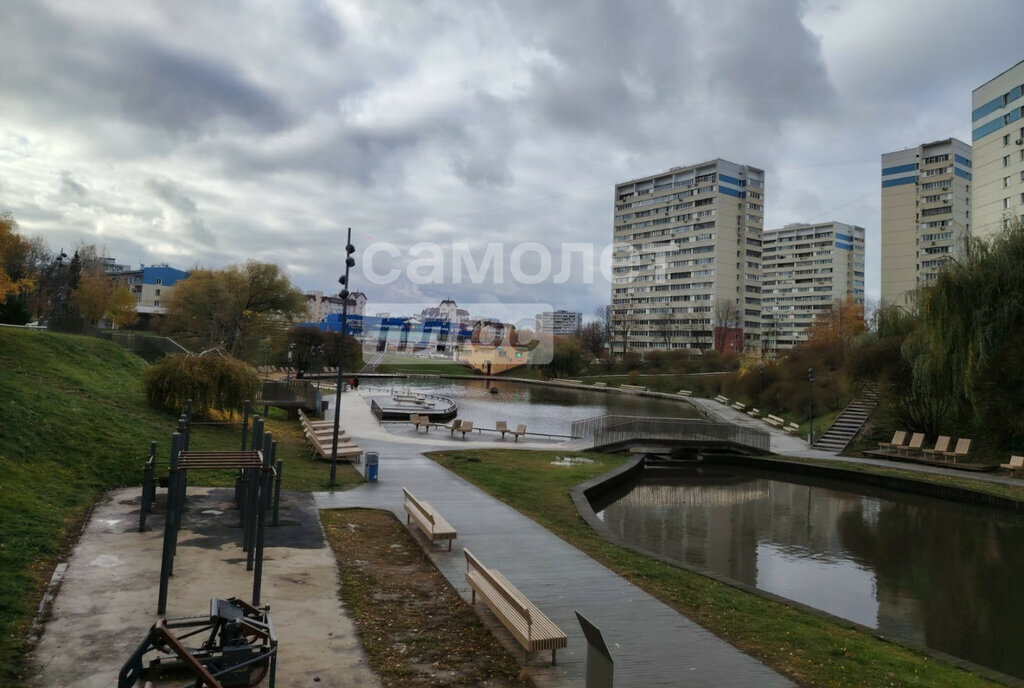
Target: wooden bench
722,400
791,429
684,393
633,388
528,625
775,421
321,446
430,522
419,421
571,382
520,430
754,413
739,406
462,426
600,384
1016,464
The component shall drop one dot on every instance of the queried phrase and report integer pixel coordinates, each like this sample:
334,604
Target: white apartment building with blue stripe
686,270
997,114
926,214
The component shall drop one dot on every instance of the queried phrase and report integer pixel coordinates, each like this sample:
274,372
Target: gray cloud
210,134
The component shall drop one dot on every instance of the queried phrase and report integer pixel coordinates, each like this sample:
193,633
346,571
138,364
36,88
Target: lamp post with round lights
344,293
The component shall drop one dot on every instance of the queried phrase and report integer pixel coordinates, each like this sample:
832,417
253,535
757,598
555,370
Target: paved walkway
652,645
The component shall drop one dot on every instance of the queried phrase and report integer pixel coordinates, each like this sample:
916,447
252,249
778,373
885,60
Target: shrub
213,381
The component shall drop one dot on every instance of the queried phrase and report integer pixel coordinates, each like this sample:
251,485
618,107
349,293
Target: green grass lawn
810,649
73,423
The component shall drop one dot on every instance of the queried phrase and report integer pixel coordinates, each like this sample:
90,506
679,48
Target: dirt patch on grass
416,629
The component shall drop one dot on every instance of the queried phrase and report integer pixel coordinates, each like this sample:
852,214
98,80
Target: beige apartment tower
926,214
997,111
807,269
686,270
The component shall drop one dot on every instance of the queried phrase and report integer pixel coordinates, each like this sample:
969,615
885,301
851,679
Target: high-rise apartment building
687,261
997,111
926,214
807,269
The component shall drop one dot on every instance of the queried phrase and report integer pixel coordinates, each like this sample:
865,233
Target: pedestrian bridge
614,433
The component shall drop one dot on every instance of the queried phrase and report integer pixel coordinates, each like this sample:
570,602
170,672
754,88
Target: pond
544,409
939,573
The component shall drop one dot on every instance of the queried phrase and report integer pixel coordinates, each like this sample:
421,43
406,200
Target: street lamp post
760,378
810,382
59,291
343,281
288,373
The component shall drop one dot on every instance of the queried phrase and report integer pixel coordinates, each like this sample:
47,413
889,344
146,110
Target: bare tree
727,317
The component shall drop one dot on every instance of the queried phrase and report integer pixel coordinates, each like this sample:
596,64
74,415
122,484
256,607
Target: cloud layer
212,133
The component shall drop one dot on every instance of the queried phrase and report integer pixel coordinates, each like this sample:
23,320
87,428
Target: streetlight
343,281
760,382
810,381
59,292
288,370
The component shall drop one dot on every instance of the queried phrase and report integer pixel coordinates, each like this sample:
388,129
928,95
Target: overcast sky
209,133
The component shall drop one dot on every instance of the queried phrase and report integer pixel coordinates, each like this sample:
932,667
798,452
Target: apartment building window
158,292
1006,139
1006,161
1006,203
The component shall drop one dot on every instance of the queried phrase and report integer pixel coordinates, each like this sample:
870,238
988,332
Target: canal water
542,408
940,573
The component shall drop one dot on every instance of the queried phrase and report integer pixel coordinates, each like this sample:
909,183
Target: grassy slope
808,648
73,422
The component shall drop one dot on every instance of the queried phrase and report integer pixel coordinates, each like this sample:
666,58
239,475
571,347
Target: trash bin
371,466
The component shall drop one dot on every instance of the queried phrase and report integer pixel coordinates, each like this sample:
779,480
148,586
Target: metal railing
294,393
607,430
148,346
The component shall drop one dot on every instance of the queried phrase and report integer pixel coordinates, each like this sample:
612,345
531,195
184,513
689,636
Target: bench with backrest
722,399
684,393
527,624
791,428
420,421
1016,464
502,427
775,421
754,413
520,430
433,525
462,426
600,384
739,406
633,388
571,382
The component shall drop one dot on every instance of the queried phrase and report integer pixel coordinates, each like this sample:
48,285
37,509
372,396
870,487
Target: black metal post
277,492
261,517
810,381
349,263
760,381
167,556
245,422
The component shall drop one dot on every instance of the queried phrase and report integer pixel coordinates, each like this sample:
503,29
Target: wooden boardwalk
652,645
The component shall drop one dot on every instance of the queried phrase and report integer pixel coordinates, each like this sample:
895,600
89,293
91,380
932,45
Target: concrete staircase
848,423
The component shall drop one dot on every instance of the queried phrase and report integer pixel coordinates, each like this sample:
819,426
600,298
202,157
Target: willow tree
967,348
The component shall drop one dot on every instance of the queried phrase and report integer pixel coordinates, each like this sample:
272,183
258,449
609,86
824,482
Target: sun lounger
899,439
963,445
1016,464
915,444
941,445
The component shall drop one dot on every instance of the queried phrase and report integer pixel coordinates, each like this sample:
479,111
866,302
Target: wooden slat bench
600,384
684,393
433,525
530,627
774,421
722,399
739,406
633,388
